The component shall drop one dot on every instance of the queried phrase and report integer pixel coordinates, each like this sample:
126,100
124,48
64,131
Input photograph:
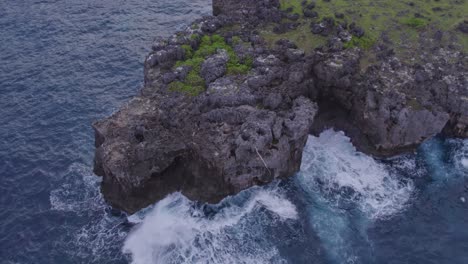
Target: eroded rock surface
223,109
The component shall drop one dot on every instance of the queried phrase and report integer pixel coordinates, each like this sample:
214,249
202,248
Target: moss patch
364,42
415,22
194,84
294,5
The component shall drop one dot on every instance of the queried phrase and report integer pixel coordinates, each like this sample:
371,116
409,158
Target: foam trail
176,230
344,184
79,193
101,234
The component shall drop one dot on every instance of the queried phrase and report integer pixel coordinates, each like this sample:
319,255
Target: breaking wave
332,166
347,191
177,230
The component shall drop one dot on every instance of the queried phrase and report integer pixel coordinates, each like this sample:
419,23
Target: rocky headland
229,102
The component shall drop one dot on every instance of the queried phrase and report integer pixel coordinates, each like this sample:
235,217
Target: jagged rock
463,26
345,36
294,55
310,14
334,44
248,129
151,148
214,66
324,28
356,30
223,85
393,104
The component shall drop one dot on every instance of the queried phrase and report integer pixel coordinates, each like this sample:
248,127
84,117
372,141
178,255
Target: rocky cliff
226,106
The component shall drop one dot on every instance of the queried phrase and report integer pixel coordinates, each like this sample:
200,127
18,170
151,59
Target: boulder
214,66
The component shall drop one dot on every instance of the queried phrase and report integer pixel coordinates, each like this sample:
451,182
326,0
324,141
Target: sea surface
65,64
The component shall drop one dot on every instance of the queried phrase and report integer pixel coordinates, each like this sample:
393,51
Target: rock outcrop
394,105
223,109
243,130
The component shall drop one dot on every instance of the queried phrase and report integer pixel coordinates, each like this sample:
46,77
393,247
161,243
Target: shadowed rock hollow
223,108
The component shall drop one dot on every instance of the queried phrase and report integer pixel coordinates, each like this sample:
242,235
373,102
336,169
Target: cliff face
223,108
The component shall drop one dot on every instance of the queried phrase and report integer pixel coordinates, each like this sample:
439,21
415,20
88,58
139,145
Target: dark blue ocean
65,64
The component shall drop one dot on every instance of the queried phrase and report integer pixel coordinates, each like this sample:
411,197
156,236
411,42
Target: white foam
333,166
461,155
464,162
176,231
101,236
80,191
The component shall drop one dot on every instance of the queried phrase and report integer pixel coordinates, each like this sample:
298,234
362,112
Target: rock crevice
223,109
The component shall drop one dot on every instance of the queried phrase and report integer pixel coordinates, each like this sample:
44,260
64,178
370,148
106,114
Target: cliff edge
229,102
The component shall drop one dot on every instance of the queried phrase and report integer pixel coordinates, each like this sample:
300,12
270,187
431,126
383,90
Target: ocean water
67,63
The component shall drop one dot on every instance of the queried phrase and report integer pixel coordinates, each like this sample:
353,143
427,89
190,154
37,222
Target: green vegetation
415,22
236,40
362,42
295,5
187,50
234,67
401,21
194,84
302,36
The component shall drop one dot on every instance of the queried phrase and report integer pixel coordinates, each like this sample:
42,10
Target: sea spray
177,230
333,166
347,191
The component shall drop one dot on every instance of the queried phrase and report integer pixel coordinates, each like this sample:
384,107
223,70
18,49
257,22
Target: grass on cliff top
401,21
194,84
